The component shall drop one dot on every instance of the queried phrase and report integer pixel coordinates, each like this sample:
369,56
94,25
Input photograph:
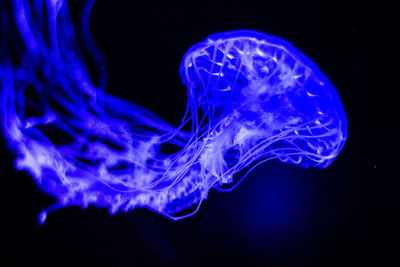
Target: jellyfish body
251,98
282,105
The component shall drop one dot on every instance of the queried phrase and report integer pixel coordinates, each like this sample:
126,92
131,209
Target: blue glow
252,97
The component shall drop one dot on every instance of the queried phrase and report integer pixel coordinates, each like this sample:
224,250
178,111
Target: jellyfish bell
267,100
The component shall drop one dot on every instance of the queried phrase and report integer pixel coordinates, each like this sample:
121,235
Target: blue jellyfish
251,97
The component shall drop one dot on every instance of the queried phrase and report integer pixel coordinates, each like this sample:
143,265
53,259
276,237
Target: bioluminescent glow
251,97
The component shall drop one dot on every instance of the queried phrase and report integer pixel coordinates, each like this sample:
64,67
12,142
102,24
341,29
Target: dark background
281,214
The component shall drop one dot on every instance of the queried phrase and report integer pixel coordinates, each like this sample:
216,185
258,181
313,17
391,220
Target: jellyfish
251,97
